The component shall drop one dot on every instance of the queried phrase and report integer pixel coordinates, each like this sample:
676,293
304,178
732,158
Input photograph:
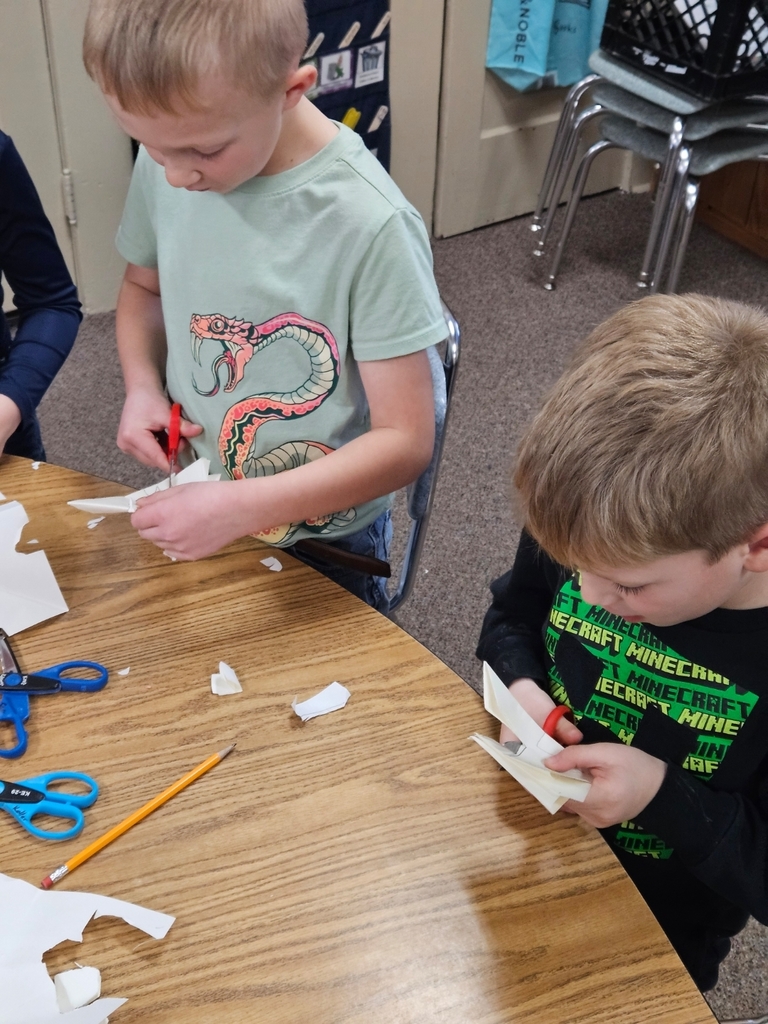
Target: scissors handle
554,716
56,803
14,709
73,683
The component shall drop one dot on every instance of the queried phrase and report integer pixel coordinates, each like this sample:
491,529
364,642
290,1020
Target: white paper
272,563
225,680
124,671
77,987
194,474
35,465
35,541
93,523
40,921
550,788
29,592
332,698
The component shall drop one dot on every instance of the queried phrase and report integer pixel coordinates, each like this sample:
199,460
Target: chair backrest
422,491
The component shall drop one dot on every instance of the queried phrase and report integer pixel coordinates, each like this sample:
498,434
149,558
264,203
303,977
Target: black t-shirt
692,694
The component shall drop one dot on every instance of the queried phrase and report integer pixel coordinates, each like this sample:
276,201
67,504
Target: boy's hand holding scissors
146,414
624,779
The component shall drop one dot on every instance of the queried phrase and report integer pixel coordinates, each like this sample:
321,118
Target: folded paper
41,920
272,563
194,474
526,762
29,592
225,680
332,698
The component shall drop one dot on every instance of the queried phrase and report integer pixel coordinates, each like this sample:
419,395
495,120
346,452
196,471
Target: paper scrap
225,680
93,523
77,988
42,920
29,592
198,472
124,671
332,698
526,763
272,563
35,541
35,465
2,496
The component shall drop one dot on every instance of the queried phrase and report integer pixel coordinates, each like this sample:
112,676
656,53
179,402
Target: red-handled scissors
554,716
174,430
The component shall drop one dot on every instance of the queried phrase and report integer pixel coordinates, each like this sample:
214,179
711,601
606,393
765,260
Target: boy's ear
299,82
757,556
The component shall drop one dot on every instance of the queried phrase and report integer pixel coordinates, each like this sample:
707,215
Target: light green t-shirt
272,294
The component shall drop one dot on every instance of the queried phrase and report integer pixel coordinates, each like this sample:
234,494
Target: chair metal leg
564,127
690,199
573,203
662,198
672,214
566,165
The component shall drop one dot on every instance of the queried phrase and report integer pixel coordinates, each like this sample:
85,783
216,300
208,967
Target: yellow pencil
132,819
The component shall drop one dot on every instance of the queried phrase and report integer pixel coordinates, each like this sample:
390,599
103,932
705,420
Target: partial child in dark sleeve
47,304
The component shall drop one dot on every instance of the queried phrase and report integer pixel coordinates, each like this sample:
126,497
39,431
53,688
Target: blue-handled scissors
16,688
23,800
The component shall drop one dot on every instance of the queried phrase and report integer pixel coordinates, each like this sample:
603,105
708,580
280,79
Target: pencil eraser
46,883
77,988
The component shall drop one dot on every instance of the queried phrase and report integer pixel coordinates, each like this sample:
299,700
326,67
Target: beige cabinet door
79,159
494,141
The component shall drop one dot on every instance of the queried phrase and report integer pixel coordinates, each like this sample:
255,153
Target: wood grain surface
372,865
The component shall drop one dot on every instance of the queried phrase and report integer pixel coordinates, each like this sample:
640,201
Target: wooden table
369,866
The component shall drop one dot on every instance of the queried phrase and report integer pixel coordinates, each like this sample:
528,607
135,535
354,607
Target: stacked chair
688,136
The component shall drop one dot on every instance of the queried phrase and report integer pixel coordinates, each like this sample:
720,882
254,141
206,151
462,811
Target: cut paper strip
41,920
332,698
35,465
526,764
197,473
225,680
272,563
124,671
93,523
35,541
29,592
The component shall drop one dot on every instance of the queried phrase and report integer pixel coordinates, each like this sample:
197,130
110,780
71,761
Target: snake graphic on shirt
241,340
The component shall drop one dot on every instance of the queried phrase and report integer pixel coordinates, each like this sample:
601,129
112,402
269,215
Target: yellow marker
351,118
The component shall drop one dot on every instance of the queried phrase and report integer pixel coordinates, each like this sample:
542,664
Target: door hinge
68,191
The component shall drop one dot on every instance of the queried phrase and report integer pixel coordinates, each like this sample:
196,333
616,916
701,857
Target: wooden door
494,141
734,201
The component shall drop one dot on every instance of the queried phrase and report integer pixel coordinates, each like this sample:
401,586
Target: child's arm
511,638
142,349
196,520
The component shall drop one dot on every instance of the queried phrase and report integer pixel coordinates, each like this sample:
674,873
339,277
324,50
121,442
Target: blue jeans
373,540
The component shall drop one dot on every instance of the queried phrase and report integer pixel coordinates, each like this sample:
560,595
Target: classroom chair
617,88
693,161
421,493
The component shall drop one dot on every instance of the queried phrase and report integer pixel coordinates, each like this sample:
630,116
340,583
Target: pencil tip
228,750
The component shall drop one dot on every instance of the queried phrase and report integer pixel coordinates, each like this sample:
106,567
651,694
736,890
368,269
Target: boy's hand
538,704
191,521
624,780
147,411
10,418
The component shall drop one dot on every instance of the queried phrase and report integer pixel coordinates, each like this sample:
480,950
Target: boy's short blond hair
150,54
655,440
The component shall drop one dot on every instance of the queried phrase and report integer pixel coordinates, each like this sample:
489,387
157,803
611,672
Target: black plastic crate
711,48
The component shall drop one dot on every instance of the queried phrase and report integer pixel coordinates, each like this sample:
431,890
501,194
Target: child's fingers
189,429
567,733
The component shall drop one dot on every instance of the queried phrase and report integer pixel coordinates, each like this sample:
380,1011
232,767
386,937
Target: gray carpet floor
516,339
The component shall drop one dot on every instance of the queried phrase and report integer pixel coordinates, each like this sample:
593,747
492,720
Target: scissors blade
8,661
28,684
15,793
